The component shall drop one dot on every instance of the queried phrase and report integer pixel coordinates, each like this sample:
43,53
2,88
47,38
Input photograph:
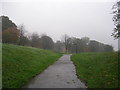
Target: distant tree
7,23
119,44
0,29
22,38
77,45
101,47
35,40
84,43
72,45
85,40
94,46
10,35
47,42
58,46
28,39
108,48
66,42
116,19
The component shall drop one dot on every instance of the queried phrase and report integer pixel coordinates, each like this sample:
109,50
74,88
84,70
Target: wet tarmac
61,74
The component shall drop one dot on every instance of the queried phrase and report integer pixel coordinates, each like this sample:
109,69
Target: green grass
0,65
21,63
97,70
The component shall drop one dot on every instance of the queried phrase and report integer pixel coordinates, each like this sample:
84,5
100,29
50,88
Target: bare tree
22,37
66,42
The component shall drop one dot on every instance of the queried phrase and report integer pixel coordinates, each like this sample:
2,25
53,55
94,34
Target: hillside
98,70
21,63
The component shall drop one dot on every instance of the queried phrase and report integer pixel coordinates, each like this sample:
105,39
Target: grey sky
72,17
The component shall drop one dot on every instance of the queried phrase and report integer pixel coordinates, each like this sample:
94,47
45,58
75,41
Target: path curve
61,74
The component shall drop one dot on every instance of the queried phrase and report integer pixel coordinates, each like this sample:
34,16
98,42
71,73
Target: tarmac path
61,74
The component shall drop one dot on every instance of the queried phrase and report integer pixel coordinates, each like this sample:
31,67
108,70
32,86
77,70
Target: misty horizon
76,19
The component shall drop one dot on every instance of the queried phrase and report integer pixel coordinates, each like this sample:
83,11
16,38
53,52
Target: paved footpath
61,74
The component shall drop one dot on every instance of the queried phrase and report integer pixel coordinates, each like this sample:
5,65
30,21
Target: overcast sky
76,18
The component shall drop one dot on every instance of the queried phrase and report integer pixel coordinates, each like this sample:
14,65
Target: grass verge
21,63
98,70
0,65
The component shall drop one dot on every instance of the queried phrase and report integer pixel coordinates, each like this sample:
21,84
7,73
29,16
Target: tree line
13,34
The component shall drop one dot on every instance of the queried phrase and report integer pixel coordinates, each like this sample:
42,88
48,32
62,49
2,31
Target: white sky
78,18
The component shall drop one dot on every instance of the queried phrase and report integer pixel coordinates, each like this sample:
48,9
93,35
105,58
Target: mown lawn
97,70
21,63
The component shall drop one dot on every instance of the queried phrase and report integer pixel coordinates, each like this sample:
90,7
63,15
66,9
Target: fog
58,17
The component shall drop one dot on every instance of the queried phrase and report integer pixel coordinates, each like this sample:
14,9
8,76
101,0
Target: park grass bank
21,63
97,70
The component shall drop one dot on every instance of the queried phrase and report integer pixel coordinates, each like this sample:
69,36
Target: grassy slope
98,70
20,64
0,65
